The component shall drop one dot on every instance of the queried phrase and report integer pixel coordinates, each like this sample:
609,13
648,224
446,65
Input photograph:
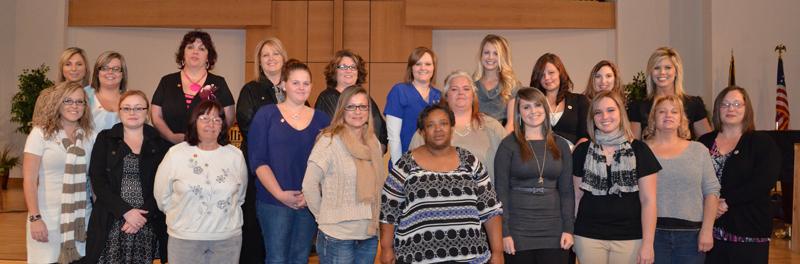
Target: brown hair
748,123
476,113
337,123
276,44
203,108
104,59
139,93
414,57
565,83
330,69
506,75
189,38
590,92
683,126
65,56
49,119
533,95
624,123
664,53
293,65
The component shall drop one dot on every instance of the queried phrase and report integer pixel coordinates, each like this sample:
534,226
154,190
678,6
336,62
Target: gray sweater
683,183
535,220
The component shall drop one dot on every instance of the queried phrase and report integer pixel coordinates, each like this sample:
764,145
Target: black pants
534,256
738,252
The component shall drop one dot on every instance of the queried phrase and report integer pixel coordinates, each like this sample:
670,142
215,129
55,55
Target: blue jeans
673,246
337,251
287,233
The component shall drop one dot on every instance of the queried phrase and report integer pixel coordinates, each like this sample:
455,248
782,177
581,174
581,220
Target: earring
207,65
182,64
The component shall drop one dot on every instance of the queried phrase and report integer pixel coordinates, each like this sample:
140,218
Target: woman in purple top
279,142
407,99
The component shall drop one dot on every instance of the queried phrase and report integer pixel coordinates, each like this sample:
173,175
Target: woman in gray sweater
533,169
688,189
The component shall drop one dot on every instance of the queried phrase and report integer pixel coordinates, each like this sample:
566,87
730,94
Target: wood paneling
317,80
510,14
382,77
173,13
356,28
390,39
290,25
248,72
795,242
320,31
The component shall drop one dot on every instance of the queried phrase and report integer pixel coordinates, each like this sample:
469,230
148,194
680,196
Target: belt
533,190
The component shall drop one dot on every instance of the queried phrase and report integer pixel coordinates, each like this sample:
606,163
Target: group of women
484,171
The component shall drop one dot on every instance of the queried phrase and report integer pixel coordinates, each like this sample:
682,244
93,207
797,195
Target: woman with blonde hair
688,190
54,176
665,77
615,186
346,168
72,67
495,80
109,81
603,77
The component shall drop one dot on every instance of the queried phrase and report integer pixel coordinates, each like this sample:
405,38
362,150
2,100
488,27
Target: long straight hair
537,97
337,123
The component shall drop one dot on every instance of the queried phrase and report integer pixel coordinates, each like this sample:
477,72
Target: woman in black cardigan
747,164
126,225
568,110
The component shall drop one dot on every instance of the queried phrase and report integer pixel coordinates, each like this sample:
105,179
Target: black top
693,106
535,218
327,100
105,173
572,124
254,95
747,178
169,95
612,217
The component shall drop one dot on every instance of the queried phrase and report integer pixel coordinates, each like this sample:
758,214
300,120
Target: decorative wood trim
172,13
795,242
390,39
510,14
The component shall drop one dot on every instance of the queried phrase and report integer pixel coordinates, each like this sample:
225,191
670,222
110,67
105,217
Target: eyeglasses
347,67
129,110
734,105
205,119
115,69
351,108
78,102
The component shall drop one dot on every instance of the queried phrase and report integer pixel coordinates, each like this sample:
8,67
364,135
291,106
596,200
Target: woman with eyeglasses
109,81
343,181
200,187
347,69
126,225
746,162
54,176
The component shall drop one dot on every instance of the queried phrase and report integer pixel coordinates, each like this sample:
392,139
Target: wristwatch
34,218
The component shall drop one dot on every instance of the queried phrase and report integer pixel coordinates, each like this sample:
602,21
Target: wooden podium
795,243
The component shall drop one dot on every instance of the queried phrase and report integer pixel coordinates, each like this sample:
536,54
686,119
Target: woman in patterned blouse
436,200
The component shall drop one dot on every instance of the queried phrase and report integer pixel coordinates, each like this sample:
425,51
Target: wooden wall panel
248,72
290,25
356,28
510,14
317,80
320,31
382,77
174,13
390,39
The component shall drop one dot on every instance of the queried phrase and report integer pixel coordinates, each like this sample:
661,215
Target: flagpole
781,101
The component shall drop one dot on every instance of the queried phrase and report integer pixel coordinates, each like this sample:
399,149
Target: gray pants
204,251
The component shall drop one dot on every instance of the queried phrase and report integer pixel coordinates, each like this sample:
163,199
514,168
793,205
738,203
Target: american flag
781,101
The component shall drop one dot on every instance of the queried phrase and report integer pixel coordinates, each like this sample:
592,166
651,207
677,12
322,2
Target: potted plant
637,89
31,83
7,162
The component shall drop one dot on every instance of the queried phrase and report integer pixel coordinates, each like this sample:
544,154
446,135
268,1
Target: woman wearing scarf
615,184
345,167
54,172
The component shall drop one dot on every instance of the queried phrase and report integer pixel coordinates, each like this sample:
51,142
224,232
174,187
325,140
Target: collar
149,132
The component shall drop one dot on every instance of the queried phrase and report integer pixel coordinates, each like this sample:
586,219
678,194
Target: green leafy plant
31,83
637,89
7,161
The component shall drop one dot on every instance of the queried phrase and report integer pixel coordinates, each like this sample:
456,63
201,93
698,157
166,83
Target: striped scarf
623,177
73,199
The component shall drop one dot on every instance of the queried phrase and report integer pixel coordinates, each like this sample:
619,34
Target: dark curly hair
189,38
429,109
330,70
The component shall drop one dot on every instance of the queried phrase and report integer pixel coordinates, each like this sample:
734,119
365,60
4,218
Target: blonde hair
102,60
65,55
276,44
683,126
508,79
476,113
49,118
337,123
664,53
624,123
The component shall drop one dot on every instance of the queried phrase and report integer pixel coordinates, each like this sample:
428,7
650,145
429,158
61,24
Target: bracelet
34,218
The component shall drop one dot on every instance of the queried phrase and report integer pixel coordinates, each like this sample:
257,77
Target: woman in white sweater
343,183
200,186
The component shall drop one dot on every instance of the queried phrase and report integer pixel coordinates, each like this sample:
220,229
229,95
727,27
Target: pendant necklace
194,86
544,159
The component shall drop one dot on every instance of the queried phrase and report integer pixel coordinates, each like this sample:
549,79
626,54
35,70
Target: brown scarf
370,174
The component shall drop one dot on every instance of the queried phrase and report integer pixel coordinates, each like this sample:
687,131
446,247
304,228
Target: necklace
295,115
544,159
465,133
194,86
